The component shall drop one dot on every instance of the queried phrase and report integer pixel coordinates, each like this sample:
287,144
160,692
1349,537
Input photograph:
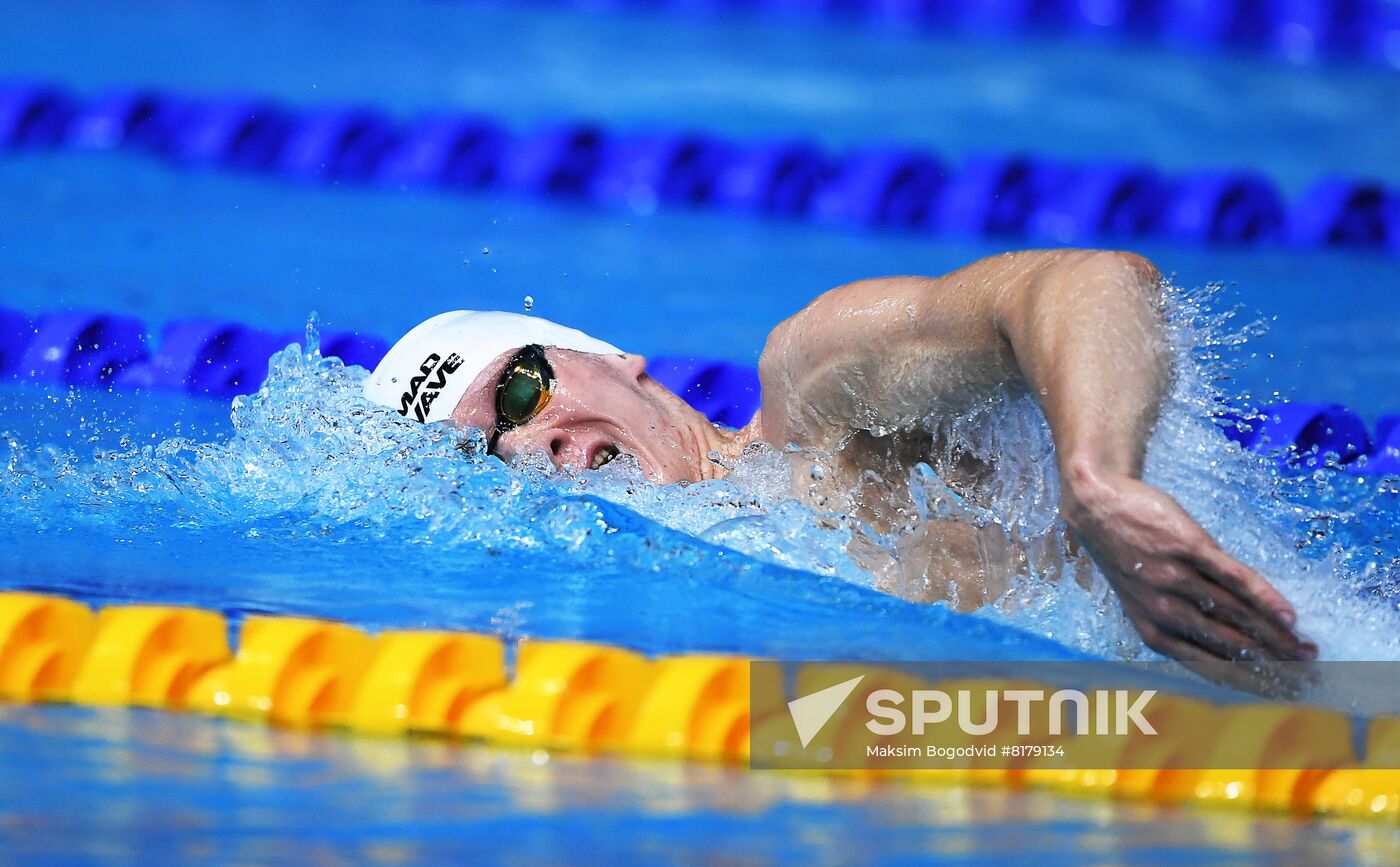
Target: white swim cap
428,370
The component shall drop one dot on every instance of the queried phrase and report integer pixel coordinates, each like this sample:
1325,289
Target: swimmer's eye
523,389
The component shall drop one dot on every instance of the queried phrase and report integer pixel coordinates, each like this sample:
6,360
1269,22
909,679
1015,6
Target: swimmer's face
600,406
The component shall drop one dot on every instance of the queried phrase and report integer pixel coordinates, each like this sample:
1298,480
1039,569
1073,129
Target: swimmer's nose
630,363
568,450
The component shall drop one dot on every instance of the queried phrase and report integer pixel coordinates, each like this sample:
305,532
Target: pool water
166,788
303,500
172,244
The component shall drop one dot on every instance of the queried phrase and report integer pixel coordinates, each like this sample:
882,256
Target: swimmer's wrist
1089,484
1091,452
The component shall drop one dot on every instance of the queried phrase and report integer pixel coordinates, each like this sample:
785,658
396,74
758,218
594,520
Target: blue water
76,230
310,510
120,233
303,501
531,62
161,788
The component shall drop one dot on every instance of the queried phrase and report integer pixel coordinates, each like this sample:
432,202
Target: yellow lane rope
594,698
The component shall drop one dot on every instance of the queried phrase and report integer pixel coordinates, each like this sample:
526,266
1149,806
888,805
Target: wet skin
603,404
852,375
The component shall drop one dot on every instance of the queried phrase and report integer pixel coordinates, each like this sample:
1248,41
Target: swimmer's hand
1188,599
1085,332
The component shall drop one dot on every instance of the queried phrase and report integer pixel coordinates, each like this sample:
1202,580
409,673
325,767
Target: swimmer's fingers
1245,583
1176,621
1229,641
1217,653
1262,679
1229,591
1212,602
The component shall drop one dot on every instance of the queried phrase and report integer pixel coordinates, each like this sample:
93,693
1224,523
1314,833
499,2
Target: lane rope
223,359
876,187
1299,32
598,699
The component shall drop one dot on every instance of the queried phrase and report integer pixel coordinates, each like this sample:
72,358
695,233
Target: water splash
1325,538
319,502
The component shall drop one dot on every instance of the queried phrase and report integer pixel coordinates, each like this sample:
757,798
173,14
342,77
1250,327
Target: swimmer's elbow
1137,267
1063,286
1085,274
1123,267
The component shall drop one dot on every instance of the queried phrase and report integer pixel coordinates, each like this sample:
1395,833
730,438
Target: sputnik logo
1115,710
811,712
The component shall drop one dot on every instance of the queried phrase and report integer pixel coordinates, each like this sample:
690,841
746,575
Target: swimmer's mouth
603,456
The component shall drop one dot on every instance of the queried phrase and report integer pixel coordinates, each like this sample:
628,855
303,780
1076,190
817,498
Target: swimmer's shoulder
839,324
804,368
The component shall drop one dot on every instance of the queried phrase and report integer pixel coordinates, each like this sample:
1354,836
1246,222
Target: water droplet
486,251
529,303
817,473
713,456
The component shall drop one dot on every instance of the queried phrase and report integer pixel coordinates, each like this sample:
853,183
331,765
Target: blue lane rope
879,188
222,359
1298,31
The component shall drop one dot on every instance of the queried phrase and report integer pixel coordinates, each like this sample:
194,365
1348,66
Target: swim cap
429,369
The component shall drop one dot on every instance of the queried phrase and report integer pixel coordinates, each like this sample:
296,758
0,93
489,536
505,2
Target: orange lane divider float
576,696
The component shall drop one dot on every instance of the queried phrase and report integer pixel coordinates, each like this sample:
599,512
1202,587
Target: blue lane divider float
1313,434
1298,31
726,393
222,359
1385,453
15,333
81,348
218,359
879,187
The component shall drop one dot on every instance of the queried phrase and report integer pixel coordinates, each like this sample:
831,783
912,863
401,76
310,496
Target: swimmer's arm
1081,328
1083,331
1087,334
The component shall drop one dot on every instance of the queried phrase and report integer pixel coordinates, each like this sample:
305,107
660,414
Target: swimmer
852,377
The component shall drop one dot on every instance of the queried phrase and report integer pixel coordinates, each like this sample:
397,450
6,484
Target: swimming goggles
522,392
